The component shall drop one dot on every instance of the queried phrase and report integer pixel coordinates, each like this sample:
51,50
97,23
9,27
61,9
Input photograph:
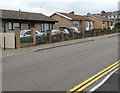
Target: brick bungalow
25,20
71,19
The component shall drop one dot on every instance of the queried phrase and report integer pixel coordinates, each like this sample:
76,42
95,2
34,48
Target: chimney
72,12
88,14
103,12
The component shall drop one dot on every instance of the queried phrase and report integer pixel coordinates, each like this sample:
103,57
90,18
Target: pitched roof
100,17
113,13
10,14
73,17
104,14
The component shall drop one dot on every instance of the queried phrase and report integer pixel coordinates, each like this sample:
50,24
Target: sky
48,7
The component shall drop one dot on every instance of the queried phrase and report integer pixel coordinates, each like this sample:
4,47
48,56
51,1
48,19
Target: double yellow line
94,78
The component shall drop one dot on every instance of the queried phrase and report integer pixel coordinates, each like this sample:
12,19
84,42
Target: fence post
62,35
72,33
17,36
115,30
33,34
49,36
100,32
94,32
4,48
83,33
105,31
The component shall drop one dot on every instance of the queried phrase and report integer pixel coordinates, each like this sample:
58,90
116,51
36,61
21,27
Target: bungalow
25,20
71,19
101,22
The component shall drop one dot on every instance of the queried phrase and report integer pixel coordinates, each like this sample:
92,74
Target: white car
27,33
57,32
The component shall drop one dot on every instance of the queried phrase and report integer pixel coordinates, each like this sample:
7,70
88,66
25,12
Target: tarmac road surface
58,69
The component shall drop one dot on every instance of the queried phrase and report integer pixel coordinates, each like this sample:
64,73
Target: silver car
27,33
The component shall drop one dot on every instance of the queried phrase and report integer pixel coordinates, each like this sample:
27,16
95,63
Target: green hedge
118,30
89,33
55,37
41,38
26,40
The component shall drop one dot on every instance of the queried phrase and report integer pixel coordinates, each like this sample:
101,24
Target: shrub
118,30
117,25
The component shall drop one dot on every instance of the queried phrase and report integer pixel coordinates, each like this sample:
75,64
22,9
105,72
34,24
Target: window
87,24
46,27
111,23
91,25
112,16
9,26
16,25
103,22
76,23
50,25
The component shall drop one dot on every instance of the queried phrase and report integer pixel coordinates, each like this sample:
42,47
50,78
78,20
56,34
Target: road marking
93,78
81,89
102,82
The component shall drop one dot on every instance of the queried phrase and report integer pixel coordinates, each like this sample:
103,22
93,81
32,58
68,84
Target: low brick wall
26,45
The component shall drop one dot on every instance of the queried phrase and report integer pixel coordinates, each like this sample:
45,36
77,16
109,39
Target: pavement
11,52
60,68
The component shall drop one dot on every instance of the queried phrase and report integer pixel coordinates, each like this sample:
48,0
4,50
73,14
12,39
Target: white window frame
76,24
16,25
9,25
46,26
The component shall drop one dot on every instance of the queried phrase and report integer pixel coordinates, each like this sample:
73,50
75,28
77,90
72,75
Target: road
58,69
111,84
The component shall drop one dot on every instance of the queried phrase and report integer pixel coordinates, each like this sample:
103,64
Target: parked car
74,29
57,32
27,33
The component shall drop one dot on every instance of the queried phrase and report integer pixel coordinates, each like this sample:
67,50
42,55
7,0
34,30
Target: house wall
65,22
24,26
80,25
38,27
61,21
108,24
105,25
97,22
2,26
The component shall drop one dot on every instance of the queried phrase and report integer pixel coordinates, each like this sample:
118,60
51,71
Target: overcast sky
48,7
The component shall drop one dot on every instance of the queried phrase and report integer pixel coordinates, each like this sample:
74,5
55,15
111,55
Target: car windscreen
74,28
66,31
22,32
55,31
